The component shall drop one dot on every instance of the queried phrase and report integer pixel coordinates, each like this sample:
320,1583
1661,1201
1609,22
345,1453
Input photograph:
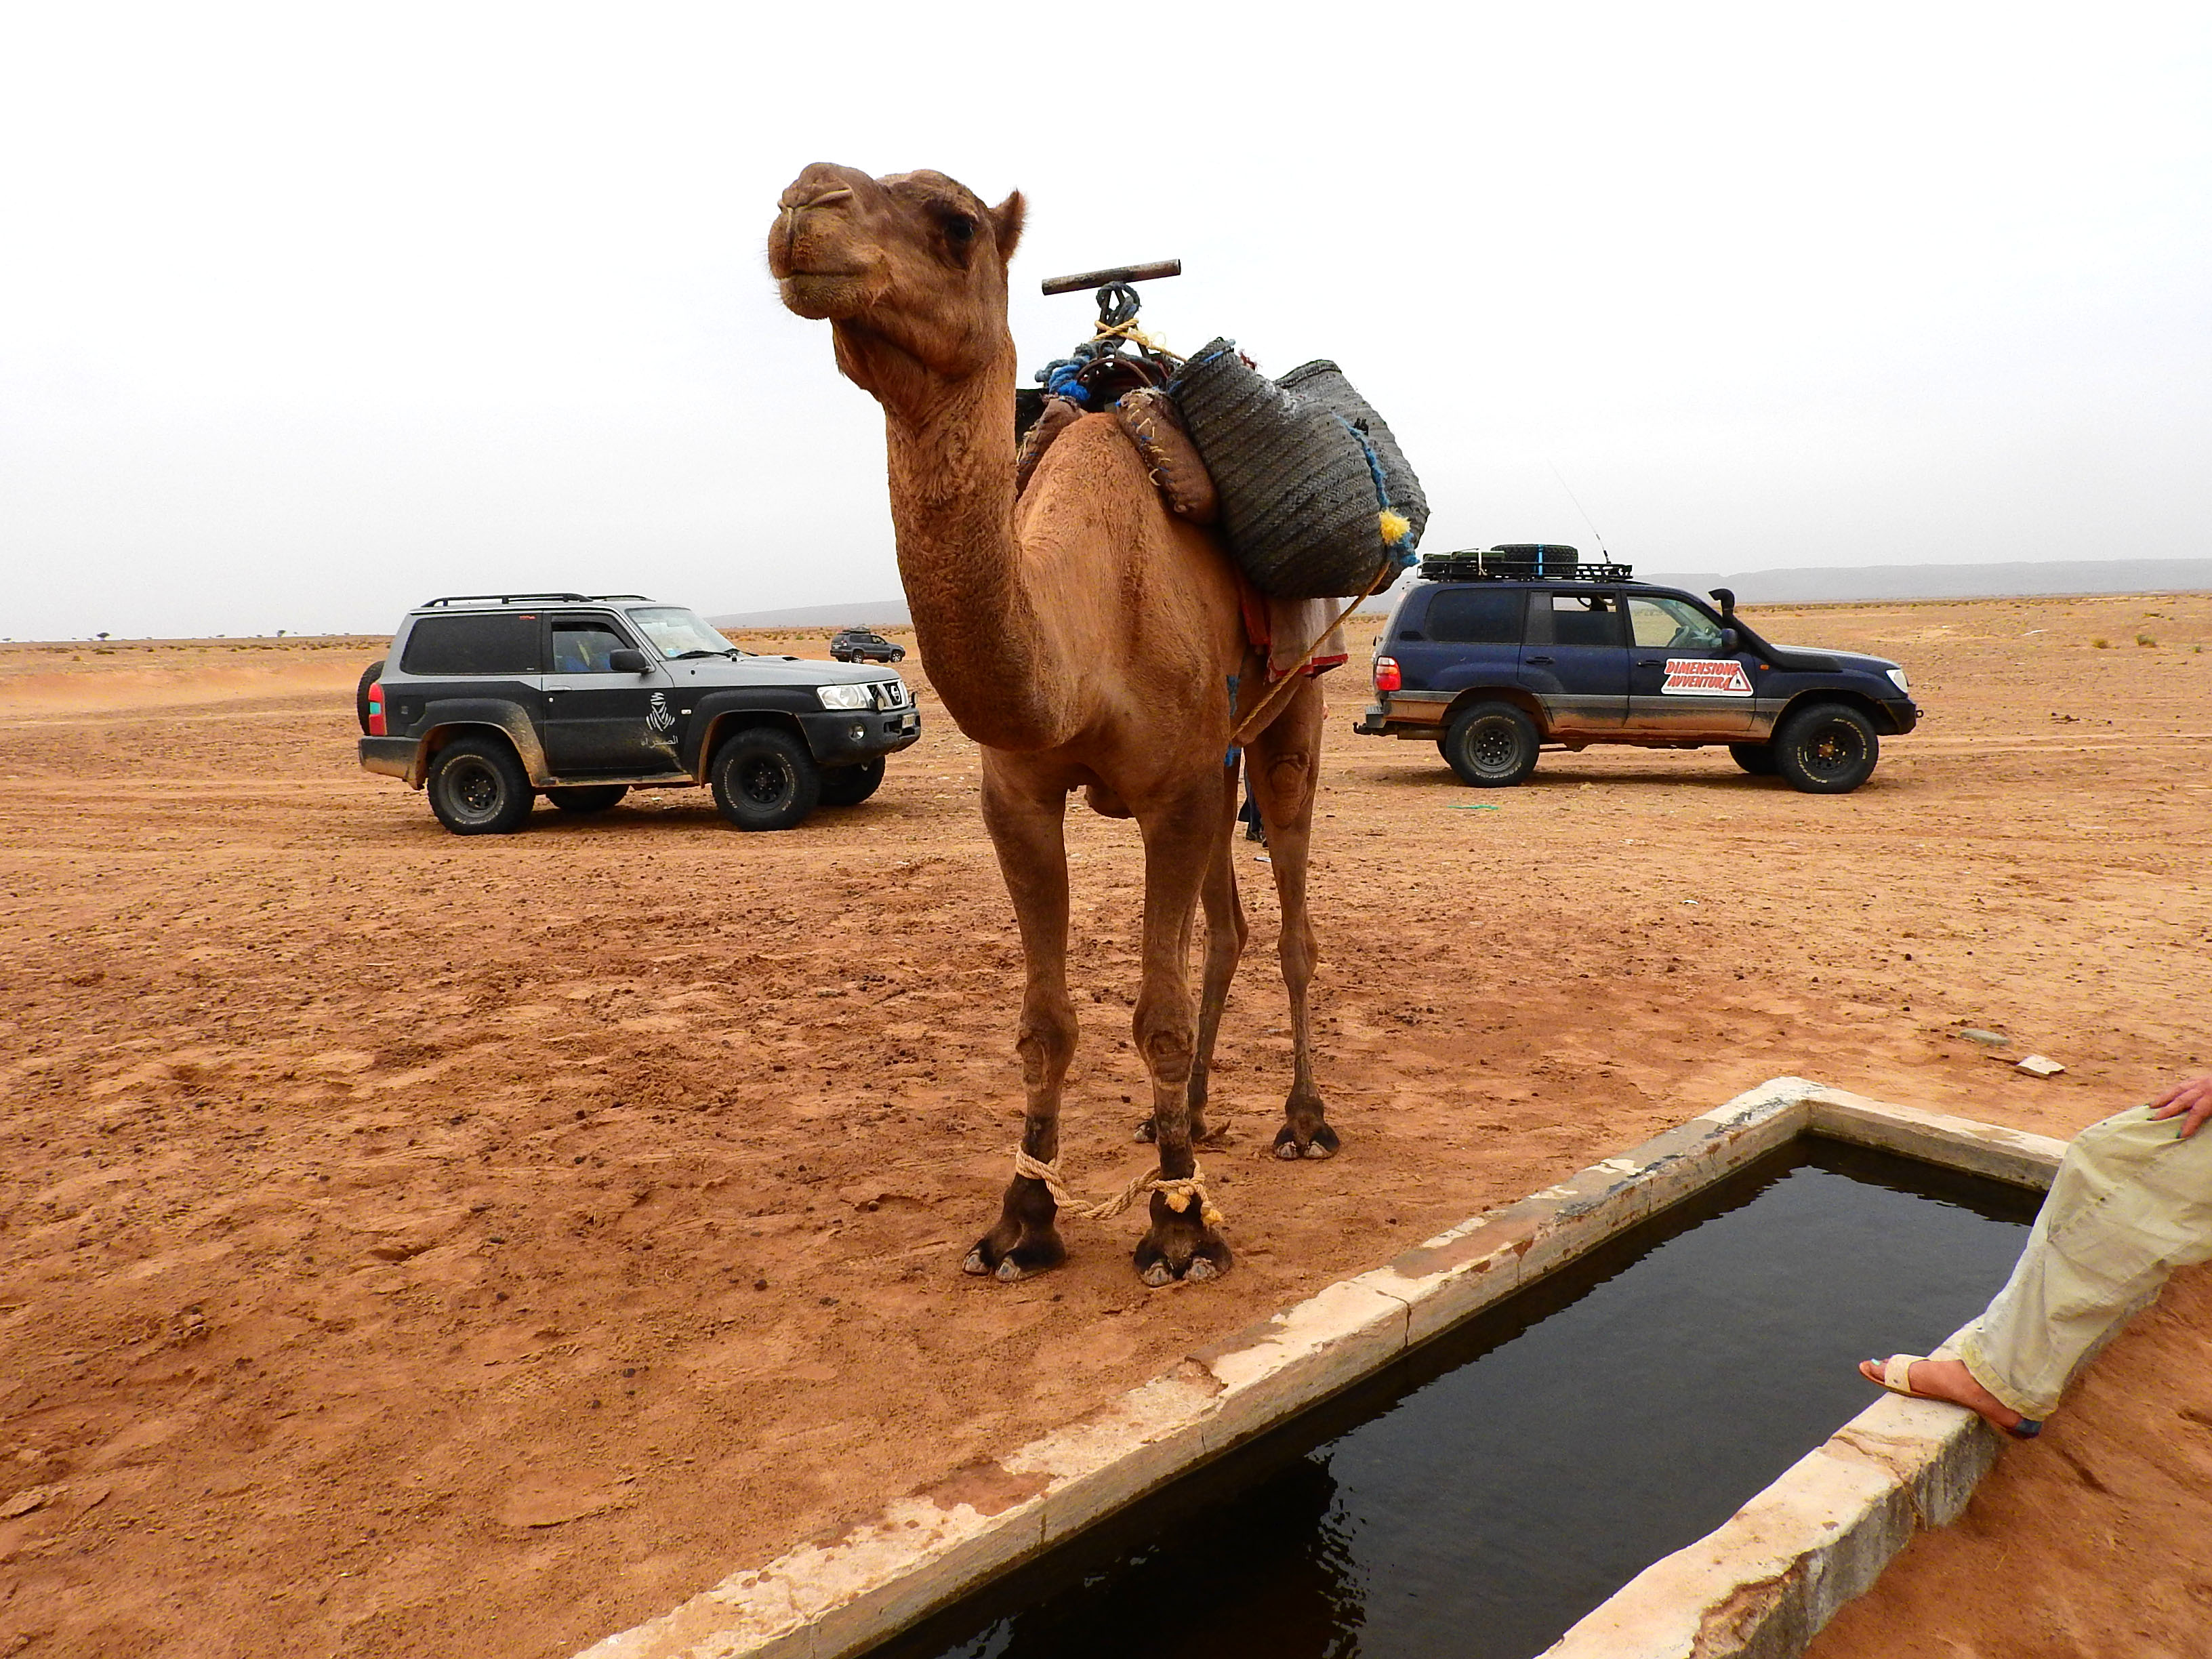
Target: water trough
1760,1582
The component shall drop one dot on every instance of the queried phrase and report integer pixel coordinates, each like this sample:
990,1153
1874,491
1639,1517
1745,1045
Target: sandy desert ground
412,1245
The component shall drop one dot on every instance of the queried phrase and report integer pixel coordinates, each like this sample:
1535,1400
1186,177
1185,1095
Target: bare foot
1949,1379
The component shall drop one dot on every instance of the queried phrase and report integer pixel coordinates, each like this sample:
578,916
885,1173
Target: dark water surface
1485,1492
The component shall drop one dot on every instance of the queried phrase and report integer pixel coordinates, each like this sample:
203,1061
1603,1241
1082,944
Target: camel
1084,638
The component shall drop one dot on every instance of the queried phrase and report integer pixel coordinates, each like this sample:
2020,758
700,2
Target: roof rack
505,599
1494,565
641,598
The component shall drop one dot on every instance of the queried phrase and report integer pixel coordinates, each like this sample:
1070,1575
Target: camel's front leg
1226,931
1180,838
1027,826
1285,762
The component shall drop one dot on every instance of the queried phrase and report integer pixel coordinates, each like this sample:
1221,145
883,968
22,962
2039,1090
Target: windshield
675,632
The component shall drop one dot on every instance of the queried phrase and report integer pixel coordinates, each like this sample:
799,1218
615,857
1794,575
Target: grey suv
487,701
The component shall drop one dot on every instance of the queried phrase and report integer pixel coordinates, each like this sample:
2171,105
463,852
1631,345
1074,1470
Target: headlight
1897,677
842,696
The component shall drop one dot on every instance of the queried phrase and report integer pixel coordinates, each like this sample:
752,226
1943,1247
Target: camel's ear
1007,221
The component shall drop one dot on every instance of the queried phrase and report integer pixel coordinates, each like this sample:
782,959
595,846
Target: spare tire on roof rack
1519,562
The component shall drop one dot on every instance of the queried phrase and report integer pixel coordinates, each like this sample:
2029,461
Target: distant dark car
487,701
1495,654
859,645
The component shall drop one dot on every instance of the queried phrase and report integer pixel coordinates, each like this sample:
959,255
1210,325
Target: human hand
2193,1098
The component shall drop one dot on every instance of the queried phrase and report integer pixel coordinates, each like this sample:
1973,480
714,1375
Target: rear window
495,644
1476,616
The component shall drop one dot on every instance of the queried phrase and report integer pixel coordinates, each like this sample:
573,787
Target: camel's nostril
796,200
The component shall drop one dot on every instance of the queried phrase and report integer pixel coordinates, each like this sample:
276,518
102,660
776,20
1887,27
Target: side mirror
1729,644
627,662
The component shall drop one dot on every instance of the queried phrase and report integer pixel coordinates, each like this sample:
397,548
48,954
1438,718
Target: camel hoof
975,1263
1322,1142
1157,1273
1144,1134
1010,1270
1201,1269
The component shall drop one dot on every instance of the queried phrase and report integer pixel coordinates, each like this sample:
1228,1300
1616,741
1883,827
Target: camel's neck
975,614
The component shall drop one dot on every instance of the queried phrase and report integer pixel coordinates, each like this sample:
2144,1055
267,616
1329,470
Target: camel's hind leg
1028,830
1226,931
1285,762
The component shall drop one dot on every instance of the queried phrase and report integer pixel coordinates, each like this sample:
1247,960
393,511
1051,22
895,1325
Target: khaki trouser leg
2131,1203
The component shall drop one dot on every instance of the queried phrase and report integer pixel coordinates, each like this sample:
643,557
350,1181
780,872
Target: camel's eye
960,231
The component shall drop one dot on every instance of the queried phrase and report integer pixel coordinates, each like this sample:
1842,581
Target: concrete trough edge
1762,1585
1897,1465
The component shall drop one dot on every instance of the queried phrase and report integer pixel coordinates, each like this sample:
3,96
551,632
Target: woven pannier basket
1323,379
1299,505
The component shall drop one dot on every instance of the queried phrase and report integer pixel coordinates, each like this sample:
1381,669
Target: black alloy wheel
848,786
764,779
581,797
477,788
1492,746
1829,748
1756,758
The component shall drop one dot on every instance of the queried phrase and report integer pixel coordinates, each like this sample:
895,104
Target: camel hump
1170,459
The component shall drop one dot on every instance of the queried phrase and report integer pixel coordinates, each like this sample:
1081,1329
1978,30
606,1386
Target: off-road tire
1756,758
1491,746
1829,748
584,798
477,788
764,779
369,677
848,786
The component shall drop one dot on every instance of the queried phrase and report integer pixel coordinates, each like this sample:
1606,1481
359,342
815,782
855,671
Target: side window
1585,619
491,644
1476,616
586,645
1671,625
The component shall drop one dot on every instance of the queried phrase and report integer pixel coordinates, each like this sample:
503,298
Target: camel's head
910,269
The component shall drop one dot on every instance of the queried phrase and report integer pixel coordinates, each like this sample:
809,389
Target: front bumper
389,757
847,737
1903,712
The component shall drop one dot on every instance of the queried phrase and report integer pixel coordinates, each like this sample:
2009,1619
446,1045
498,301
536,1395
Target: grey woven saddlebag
1299,503
1323,379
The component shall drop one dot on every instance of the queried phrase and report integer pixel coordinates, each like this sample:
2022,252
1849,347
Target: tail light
376,710
1386,674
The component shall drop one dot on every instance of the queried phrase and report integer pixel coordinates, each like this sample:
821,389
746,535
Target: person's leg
2131,1202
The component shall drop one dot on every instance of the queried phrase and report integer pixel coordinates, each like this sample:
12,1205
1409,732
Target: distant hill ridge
2020,579
1820,585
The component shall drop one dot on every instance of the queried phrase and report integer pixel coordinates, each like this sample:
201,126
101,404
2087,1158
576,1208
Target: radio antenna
1579,507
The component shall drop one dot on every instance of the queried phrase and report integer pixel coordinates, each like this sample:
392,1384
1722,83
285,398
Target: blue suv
1494,654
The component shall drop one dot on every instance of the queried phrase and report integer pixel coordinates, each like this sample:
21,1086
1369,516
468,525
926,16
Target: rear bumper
1417,720
391,758
842,738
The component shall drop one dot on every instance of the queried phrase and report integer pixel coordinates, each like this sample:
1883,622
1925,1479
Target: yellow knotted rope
1134,336
1180,1194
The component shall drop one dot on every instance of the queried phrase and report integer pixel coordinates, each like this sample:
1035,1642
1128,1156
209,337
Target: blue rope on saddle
1401,551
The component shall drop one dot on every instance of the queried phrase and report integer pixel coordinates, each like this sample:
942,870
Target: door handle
1647,662
1540,660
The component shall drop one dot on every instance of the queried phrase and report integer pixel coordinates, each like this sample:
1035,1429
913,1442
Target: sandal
1897,1377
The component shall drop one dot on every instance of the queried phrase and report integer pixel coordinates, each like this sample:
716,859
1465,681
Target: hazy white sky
310,312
